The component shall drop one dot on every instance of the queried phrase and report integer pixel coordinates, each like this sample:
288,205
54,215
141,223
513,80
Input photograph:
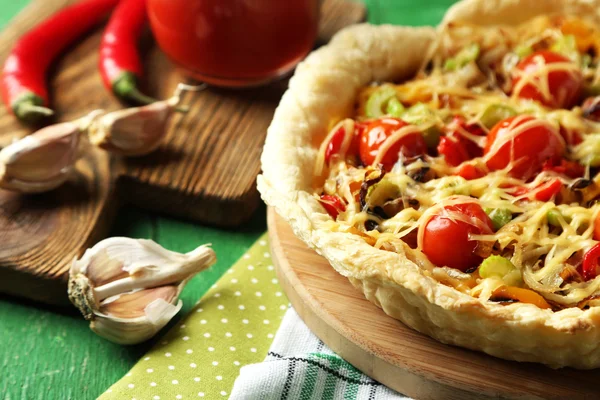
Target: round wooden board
397,356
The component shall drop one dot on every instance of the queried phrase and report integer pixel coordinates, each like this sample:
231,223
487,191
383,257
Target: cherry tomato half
335,144
378,131
446,241
591,265
527,150
564,84
332,204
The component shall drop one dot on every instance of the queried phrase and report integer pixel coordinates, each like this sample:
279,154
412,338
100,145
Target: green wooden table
48,353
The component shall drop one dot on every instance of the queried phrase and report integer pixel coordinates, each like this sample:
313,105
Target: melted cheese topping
394,138
400,207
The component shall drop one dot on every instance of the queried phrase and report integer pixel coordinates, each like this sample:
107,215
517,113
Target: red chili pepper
590,267
332,204
24,74
120,64
568,168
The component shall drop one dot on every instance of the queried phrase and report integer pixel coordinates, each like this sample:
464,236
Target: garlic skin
137,131
45,159
129,288
133,131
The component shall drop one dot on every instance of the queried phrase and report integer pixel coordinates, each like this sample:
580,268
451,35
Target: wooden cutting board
204,171
395,355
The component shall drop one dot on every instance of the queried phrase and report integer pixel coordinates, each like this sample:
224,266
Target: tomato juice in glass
235,42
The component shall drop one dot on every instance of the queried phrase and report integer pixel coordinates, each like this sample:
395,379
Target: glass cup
235,43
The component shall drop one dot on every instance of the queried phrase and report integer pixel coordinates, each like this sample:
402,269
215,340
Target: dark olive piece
371,225
580,183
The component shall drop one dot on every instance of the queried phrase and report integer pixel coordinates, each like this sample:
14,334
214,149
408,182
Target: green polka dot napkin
231,326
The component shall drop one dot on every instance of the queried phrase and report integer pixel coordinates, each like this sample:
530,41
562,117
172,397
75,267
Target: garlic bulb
129,288
137,131
45,159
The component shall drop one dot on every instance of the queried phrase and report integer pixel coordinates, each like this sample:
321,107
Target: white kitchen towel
299,366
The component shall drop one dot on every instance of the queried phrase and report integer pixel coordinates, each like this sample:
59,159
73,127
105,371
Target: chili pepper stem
30,108
30,112
125,88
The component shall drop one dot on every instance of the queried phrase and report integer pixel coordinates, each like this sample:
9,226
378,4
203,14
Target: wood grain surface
205,170
394,354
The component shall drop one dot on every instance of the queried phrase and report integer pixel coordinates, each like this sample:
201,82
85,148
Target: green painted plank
9,9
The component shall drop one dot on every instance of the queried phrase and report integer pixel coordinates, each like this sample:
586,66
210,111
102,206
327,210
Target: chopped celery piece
500,267
377,101
419,114
554,216
523,51
394,108
496,113
495,266
451,64
463,57
567,46
499,216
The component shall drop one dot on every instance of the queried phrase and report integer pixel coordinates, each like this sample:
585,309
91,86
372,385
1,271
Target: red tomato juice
235,42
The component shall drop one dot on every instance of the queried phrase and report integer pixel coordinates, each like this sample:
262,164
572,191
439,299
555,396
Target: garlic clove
122,283
132,305
43,160
137,131
136,330
134,131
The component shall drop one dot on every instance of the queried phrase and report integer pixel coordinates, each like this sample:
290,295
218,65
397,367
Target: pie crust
325,87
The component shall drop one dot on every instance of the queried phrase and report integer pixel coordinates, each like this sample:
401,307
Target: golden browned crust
323,88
